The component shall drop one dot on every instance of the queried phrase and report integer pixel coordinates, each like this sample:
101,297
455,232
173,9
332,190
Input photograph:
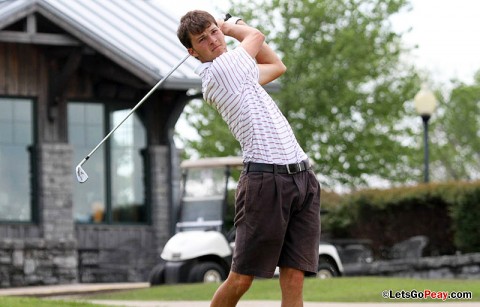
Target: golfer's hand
220,23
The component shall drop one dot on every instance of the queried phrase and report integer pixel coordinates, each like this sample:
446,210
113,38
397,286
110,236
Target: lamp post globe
425,104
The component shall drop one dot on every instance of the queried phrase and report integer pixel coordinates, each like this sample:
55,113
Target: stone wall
62,252
56,191
465,266
50,258
29,262
112,253
160,194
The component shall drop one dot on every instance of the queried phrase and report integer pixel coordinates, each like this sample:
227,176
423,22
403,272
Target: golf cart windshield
205,188
203,200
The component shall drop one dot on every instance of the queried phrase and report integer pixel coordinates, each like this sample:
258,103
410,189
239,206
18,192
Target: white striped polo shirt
230,84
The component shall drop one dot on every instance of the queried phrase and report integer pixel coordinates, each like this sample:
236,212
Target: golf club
79,171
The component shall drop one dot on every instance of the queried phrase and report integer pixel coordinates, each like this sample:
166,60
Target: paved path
277,304
71,289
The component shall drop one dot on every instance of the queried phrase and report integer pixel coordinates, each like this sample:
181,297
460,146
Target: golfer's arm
269,64
253,41
250,38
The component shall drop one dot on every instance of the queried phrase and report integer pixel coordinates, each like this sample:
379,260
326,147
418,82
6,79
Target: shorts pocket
240,200
253,185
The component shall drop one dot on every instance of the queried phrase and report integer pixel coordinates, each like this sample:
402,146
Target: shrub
447,213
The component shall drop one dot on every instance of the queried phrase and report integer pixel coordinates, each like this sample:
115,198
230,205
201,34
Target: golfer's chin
213,55
218,52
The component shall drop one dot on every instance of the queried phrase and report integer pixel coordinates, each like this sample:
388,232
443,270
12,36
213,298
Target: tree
344,91
213,137
456,155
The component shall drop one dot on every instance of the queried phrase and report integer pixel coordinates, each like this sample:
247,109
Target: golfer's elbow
281,68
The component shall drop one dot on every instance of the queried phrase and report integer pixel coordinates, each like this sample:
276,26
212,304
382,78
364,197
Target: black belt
277,168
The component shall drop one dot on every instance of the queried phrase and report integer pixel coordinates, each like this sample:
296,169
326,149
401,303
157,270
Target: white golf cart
201,249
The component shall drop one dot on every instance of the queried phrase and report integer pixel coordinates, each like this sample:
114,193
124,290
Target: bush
465,213
448,214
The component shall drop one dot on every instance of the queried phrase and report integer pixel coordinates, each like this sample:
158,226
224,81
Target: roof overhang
76,18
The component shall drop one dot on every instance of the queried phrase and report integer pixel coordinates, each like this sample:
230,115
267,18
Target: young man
277,204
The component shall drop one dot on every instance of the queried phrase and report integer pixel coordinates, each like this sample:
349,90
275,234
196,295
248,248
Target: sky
445,31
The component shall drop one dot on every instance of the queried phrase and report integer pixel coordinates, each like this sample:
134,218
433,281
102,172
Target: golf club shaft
134,109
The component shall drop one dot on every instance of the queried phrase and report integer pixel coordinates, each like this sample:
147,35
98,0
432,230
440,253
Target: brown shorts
277,219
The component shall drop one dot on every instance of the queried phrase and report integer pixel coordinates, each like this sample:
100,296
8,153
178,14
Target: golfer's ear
192,52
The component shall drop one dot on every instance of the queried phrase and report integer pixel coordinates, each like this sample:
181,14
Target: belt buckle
298,166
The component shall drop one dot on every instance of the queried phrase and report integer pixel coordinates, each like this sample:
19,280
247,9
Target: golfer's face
208,45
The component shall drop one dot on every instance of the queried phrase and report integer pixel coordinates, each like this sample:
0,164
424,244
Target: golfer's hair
194,22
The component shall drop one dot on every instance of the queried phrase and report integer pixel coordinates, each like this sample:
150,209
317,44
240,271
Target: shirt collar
200,68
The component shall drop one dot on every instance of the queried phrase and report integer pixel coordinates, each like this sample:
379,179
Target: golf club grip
136,107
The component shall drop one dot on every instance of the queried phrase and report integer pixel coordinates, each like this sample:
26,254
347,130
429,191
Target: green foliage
466,216
215,139
448,213
456,133
344,90
338,218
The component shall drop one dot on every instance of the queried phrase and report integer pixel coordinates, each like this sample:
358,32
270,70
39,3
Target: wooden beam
110,71
58,79
31,24
38,38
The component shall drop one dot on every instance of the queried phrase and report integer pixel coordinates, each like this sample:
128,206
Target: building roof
139,35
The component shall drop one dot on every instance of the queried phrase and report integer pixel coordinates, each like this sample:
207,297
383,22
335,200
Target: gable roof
139,35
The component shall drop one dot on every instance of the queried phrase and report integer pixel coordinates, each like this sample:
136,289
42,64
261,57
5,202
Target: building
70,70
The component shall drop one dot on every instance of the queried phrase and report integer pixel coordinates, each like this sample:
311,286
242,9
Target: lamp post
425,104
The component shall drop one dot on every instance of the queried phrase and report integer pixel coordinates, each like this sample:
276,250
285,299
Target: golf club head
81,174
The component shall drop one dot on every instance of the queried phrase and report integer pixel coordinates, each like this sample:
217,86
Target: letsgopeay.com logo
427,294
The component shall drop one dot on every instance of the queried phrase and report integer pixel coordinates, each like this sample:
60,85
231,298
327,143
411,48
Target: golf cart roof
212,162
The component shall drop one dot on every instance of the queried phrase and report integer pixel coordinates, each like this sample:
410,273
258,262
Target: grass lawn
345,289
361,289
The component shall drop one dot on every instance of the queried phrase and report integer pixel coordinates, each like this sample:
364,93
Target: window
126,171
115,190
85,129
16,140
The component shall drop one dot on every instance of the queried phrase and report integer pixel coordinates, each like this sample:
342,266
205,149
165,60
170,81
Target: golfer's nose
211,39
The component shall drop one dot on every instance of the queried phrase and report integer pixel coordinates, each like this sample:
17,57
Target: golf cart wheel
157,275
326,269
207,272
